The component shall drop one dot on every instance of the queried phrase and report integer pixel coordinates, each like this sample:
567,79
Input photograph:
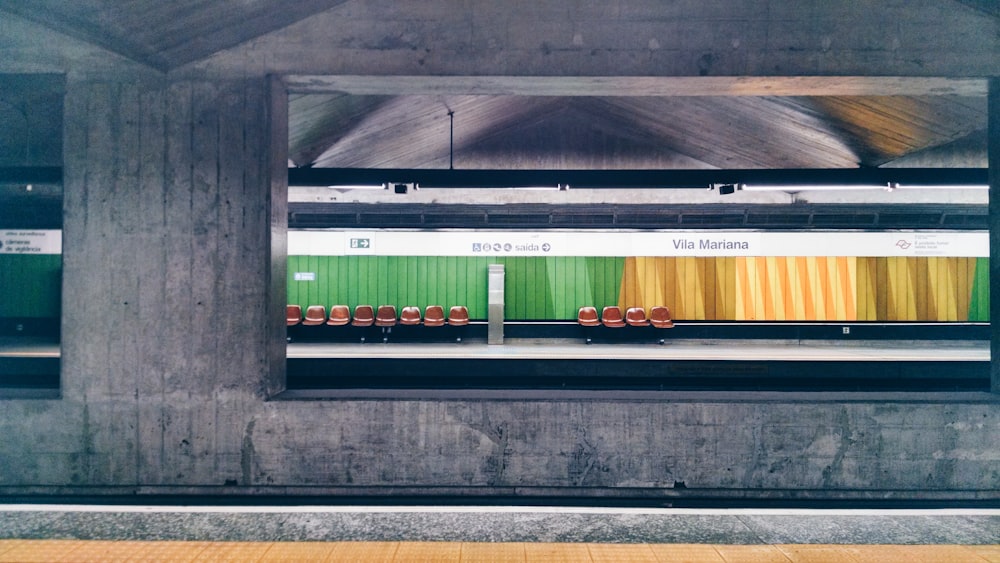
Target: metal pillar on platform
496,304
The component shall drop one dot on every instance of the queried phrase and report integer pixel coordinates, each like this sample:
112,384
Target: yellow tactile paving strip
77,551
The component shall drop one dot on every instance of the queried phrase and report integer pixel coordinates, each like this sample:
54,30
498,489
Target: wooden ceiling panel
744,132
568,136
967,152
317,122
885,128
627,132
414,131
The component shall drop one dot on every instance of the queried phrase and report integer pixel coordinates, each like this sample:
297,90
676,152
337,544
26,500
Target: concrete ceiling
515,131
991,7
166,34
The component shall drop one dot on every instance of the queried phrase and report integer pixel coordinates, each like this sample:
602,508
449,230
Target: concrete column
275,133
496,301
994,175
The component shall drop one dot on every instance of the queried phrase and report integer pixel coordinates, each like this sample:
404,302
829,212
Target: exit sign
361,243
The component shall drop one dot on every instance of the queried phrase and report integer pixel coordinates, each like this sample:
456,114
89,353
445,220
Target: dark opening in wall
31,199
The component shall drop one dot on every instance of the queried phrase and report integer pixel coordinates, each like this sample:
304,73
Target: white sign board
645,243
28,241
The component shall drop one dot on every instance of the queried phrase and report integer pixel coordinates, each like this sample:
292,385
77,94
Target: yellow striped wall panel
823,288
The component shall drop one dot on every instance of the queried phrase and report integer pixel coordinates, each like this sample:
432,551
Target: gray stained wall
171,333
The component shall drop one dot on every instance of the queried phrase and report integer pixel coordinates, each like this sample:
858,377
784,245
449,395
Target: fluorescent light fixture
859,187
945,187
814,187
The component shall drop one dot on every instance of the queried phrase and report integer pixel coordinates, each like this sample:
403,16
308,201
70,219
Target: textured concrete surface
634,37
172,274
501,524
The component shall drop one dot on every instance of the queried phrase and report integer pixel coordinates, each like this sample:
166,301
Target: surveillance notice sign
31,242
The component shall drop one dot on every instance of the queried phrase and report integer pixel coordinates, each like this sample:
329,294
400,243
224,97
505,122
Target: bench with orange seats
612,318
366,316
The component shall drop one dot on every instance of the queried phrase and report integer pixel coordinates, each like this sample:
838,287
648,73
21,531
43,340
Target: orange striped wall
834,288
931,289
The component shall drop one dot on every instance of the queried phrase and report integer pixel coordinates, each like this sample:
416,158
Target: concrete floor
753,350
681,349
366,533
501,524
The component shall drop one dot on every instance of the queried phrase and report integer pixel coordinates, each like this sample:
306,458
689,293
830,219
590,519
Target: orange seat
364,315
587,316
458,316
409,316
386,316
434,315
340,315
293,315
659,316
611,317
315,315
636,316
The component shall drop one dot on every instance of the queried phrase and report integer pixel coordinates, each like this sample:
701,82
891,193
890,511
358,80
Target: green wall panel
32,285
979,304
536,288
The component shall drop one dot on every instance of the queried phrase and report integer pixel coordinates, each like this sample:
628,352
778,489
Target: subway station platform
324,369
339,369
469,533
676,350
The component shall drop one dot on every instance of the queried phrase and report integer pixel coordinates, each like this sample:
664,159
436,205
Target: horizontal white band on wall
31,241
588,243
648,243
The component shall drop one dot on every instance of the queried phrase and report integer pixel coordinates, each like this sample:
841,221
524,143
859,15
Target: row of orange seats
611,316
365,315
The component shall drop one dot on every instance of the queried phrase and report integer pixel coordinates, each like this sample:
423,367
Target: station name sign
709,244
638,243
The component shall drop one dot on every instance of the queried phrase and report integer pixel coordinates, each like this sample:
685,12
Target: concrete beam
636,38
276,137
640,85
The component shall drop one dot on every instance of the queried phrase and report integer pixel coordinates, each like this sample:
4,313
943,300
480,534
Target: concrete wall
629,37
171,315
